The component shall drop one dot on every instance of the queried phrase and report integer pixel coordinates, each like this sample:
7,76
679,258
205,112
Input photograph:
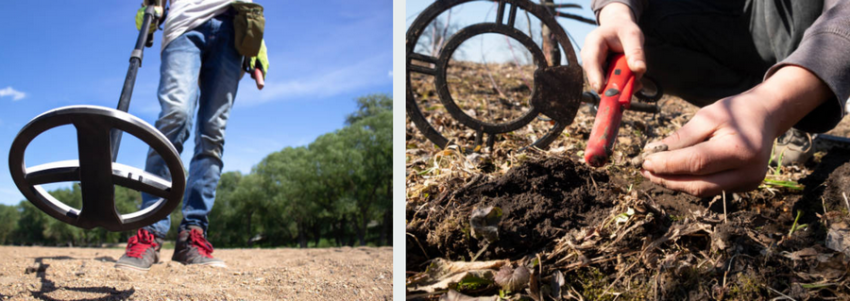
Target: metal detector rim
82,117
428,15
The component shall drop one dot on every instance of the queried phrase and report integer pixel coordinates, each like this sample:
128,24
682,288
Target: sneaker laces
198,240
140,243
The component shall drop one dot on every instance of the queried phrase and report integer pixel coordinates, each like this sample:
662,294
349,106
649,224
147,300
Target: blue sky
323,55
492,47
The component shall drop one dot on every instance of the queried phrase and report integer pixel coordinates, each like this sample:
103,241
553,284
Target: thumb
631,38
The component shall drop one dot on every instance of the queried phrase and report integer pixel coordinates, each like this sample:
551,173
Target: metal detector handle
130,80
149,42
155,3
616,99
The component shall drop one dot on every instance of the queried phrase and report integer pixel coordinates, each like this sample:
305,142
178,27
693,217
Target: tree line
336,191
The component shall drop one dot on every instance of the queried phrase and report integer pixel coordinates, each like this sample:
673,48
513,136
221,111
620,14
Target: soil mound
541,200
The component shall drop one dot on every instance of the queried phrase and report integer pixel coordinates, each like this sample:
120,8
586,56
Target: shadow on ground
48,286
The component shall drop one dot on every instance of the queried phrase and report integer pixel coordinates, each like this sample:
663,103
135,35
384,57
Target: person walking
201,68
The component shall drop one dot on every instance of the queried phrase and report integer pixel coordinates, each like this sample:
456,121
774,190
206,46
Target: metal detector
99,131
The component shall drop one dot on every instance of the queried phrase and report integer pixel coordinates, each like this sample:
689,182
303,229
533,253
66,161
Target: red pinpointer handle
613,101
258,77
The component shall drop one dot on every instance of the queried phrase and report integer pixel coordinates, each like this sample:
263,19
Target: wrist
616,12
790,94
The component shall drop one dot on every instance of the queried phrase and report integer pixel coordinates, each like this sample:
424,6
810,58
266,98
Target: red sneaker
142,252
193,248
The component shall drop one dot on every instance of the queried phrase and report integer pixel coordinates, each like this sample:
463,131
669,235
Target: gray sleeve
637,6
825,51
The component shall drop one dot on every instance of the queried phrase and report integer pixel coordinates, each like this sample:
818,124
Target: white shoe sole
131,268
218,264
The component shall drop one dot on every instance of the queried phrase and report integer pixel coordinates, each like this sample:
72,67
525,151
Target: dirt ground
551,228
253,274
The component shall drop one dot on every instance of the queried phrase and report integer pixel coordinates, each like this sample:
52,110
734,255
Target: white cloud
362,74
390,74
15,94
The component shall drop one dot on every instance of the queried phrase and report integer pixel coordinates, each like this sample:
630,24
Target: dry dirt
253,274
607,234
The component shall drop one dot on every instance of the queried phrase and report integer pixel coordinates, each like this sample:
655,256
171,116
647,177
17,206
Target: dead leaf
513,280
838,238
558,282
534,287
450,281
453,295
442,274
485,223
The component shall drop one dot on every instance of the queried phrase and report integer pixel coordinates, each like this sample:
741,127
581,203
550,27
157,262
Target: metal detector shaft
593,98
130,80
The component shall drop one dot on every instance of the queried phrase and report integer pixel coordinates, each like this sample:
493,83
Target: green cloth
263,59
140,18
248,26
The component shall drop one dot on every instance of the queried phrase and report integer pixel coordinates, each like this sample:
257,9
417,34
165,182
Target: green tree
335,188
9,217
370,133
224,219
289,179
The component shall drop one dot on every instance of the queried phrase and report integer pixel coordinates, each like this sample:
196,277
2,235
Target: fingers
697,130
703,158
593,58
631,40
704,186
602,41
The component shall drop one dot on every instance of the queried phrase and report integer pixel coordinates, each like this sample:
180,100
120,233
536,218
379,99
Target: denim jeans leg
219,80
178,94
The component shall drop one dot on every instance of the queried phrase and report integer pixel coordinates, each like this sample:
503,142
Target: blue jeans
201,68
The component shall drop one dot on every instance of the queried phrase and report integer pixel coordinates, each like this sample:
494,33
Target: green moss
593,284
681,283
747,286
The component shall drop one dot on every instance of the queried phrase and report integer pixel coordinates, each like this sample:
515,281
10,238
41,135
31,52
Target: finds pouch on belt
248,25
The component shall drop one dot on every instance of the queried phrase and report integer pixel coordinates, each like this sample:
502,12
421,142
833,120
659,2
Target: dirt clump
837,188
540,200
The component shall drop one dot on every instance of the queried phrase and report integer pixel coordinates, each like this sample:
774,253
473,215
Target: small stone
650,148
838,238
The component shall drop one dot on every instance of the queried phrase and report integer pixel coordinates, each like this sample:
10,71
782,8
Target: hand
259,63
140,17
726,146
617,33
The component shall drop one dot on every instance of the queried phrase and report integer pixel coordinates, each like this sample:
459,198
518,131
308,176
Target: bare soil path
48,273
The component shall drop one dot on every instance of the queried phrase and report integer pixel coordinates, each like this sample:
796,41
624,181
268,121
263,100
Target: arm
726,146
636,6
825,51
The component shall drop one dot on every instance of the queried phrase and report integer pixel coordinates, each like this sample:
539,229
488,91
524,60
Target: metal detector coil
557,89
556,92
95,170
99,133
